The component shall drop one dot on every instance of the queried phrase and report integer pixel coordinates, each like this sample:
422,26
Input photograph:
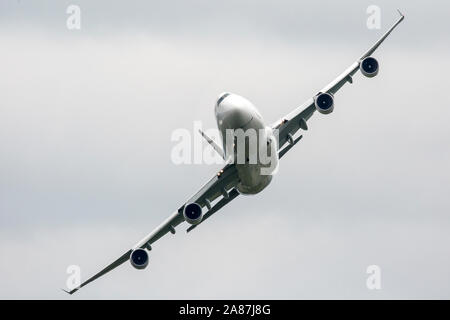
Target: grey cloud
85,125
295,22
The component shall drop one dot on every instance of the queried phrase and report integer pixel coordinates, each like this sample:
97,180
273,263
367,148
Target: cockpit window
222,97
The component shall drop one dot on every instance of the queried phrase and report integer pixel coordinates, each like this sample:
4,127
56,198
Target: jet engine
139,258
369,67
193,213
324,103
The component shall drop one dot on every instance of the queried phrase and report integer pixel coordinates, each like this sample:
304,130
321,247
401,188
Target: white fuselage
235,112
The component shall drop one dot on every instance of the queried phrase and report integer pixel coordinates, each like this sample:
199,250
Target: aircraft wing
221,185
291,123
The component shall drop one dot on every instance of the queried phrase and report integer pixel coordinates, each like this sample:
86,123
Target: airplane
235,112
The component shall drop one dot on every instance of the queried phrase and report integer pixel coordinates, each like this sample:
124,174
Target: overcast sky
86,118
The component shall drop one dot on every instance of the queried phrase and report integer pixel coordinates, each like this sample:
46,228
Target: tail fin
213,144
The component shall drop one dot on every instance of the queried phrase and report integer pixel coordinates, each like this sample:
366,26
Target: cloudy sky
86,118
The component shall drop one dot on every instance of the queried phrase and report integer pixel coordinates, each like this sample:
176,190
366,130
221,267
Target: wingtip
401,14
69,292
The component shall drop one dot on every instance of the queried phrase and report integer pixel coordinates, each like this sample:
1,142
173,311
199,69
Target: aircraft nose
219,107
239,117
221,98
233,111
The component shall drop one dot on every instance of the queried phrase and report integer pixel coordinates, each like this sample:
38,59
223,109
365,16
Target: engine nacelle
193,213
369,67
139,258
324,103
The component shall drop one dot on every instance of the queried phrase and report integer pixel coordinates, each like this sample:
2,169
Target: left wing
222,184
291,123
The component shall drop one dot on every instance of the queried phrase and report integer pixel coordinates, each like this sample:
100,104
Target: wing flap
222,202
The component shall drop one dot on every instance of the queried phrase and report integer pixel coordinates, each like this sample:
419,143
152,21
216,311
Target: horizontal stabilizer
213,144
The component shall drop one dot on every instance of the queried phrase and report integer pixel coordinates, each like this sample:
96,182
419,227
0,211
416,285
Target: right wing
222,184
291,123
